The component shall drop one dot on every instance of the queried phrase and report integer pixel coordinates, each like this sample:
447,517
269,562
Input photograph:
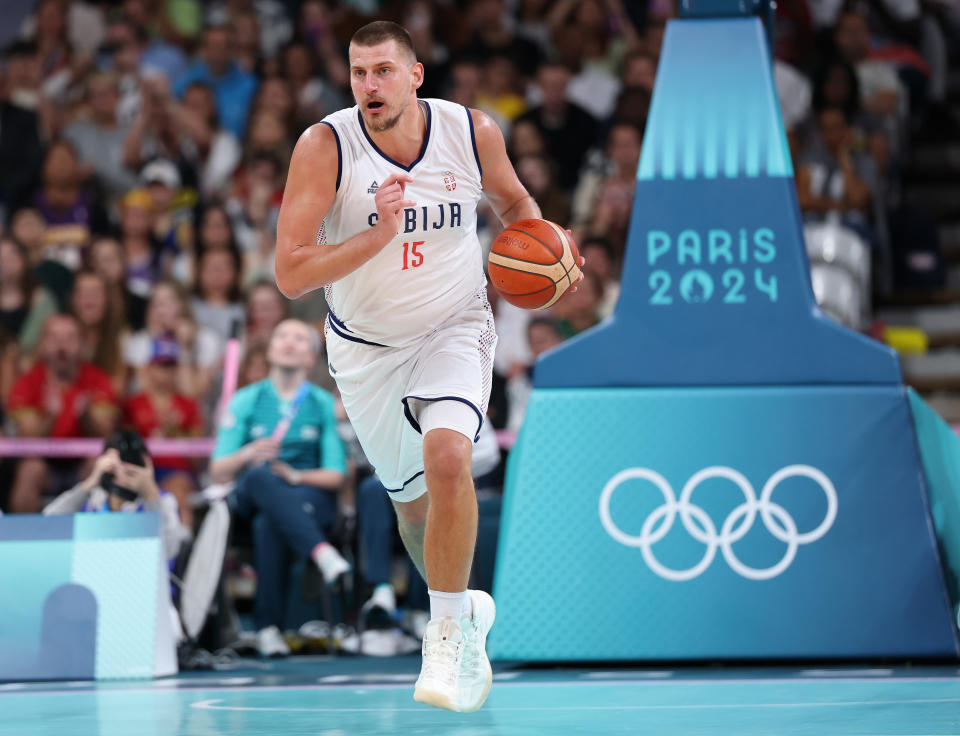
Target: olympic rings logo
735,527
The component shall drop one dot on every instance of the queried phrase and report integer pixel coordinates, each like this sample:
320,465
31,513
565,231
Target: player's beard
388,124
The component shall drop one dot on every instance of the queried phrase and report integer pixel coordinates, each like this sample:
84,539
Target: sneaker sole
437,700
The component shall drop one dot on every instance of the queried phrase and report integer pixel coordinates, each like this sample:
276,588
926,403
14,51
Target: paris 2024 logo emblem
698,524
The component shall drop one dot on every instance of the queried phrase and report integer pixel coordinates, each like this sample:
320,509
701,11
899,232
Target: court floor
355,696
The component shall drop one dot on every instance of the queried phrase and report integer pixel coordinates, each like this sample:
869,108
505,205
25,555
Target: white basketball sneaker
476,676
438,684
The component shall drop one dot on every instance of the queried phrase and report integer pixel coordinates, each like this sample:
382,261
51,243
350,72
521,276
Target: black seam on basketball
553,285
523,270
524,232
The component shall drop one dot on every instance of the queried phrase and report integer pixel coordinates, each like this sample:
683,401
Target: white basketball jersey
433,268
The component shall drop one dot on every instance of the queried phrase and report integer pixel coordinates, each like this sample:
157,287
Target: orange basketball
533,263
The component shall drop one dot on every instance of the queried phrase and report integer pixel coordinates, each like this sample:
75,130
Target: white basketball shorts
384,388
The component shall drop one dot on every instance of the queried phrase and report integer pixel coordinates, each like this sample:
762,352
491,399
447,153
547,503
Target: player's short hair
380,31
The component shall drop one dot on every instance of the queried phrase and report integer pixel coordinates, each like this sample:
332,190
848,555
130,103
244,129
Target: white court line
212,705
536,683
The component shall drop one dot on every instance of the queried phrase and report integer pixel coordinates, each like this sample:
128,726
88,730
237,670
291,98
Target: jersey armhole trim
336,137
473,140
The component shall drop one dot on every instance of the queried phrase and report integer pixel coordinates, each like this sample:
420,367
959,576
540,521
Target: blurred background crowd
144,145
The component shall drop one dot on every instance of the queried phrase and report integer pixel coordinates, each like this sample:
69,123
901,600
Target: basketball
532,263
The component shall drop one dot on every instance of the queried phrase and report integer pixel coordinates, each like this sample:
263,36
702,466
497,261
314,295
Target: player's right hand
390,203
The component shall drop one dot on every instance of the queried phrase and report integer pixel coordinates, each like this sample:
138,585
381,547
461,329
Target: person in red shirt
61,396
160,411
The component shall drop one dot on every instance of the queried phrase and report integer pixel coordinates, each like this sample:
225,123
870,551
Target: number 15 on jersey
412,258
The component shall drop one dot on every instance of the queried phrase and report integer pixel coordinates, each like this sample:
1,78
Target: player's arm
311,187
509,198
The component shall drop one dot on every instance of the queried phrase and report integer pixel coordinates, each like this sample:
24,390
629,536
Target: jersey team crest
449,181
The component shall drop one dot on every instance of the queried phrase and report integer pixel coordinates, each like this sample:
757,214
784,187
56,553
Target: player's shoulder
323,135
484,126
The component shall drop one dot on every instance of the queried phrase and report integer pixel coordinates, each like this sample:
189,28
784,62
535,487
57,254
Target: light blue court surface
351,697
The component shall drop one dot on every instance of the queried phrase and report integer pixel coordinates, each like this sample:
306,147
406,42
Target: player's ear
417,71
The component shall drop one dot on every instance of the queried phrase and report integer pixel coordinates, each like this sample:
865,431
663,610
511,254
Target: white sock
453,605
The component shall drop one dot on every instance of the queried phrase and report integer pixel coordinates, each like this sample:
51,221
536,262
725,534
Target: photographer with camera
122,481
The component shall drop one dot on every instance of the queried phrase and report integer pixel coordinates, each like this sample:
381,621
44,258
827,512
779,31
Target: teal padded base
718,523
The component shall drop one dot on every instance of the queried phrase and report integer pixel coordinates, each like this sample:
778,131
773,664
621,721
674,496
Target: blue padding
116,526
68,644
716,282
940,453
35,526
714,112
861,580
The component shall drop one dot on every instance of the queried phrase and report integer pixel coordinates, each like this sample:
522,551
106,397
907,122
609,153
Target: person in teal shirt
278,441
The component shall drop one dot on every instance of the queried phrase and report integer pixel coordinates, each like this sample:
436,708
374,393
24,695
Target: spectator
254,206
526,140
881,91
254,366
121,55
600,262
160,410
267,134
199,348
424,20
217,301
605,30
61,396
279,442
592,43
141,252
245,41
639,71
530,24
543,333
27,227
172,218
125,487
69,212
105,257
315,97
233,87
215,230
266,308
102,327
466,80
491,35
616,167
276,94
157,130
568,130
536,174
212,151
53,47
24,304
9,365
98,139
20,150
837,85
833,178
316,27
498,89
579,310
273,22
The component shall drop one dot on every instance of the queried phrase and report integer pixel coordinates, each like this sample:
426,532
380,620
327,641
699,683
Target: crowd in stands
143,150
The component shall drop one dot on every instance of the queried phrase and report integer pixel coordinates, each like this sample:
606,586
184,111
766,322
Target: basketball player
392,186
